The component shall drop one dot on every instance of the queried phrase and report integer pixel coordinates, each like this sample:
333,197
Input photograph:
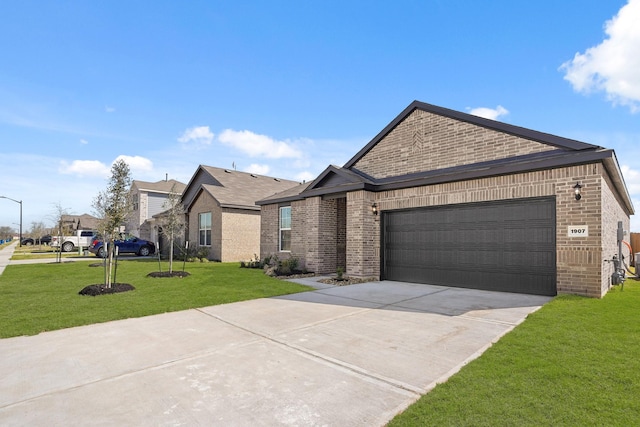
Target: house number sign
578,231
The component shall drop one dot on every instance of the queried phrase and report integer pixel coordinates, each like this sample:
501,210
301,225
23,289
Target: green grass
39,252
574,362
44,297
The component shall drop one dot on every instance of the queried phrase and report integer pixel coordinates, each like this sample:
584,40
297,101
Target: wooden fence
635,245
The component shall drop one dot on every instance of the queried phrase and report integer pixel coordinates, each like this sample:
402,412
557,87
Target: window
136,203
204,226
285,229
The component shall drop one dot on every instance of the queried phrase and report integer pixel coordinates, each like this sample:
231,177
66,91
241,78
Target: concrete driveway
340,356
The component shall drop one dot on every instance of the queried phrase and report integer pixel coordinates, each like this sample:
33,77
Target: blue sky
285,88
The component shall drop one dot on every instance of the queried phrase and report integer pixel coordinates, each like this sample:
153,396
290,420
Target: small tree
6,233
172,221
37,230
113,206
60,229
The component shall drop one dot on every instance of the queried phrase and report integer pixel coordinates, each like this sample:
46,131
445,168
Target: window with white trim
204,228
285,229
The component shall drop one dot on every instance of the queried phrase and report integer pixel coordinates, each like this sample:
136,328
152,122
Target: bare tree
37,230
6,233
113,206
172,221
61,228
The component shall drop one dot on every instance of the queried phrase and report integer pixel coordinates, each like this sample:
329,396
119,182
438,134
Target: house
149,199
73,223
447,198
222,215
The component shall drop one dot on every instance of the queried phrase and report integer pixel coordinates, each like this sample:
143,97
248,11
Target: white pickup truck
82,239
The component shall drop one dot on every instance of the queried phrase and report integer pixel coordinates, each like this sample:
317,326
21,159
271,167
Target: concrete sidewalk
7,252
5,255
346,356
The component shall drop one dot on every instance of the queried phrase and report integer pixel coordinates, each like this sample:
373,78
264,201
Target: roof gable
231,188
200,177
425,136
334,176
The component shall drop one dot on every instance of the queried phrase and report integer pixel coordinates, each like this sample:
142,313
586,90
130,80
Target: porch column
363,235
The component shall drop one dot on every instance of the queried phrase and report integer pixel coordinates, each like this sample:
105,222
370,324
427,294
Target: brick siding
426,141
240,240
235,233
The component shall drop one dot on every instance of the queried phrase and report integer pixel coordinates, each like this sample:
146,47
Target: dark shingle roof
241,189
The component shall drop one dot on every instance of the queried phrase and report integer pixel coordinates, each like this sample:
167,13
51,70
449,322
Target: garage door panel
506,246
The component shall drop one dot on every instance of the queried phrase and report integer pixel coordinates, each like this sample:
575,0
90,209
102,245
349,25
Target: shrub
202,253
254,263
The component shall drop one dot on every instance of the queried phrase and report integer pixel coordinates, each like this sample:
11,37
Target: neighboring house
447,198
222,214
72,223
149,199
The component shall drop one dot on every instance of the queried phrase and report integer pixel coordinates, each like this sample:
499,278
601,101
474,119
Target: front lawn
44,297
40,252
574,362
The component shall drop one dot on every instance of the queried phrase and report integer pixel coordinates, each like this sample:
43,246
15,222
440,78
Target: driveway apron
341,356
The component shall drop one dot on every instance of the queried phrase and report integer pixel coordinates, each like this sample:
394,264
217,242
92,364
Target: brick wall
363,235
612,212
299,226
426,141
318,228
206,203
319,251
341,237
240,240
269,215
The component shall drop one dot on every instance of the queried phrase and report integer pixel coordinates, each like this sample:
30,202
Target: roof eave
535,164
615,173
242,207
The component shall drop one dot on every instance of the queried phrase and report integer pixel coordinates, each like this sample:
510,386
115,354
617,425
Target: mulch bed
169,274
295,276
346,281
95,290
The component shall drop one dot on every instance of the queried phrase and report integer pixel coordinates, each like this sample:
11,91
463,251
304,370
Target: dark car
126,244
44,240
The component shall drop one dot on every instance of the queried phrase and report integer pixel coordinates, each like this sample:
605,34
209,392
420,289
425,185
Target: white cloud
84,142
612,66
255,145
632,179
109,109
83,168
95,168
136,163
305,176
258,169
489,113
200,136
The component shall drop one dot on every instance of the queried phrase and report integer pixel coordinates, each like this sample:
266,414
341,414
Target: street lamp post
19,202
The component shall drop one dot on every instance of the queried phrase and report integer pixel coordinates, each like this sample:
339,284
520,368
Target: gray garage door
501,246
